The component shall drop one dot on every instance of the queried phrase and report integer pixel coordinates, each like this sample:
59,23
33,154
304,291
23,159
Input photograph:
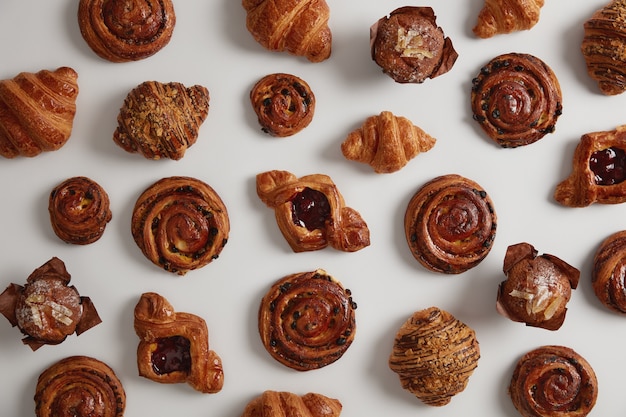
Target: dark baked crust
608,276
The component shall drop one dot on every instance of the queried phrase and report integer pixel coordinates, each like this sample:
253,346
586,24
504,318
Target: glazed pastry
516,99
608,274
174,346
79,386
311,213
410,47
299,27
603,47
450,224
79,210
180,224
287,404
161,120
37,111
307,320
126,30
47,309
537,287
598,171
506,16
553,381
284,104
434,355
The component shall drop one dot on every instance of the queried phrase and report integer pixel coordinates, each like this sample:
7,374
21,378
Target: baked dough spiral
287,404
307,320
516,98
126,30
450,224
608,276
180,224
506,16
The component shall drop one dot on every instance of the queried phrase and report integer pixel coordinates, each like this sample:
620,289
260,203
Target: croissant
161,120
386,142
287,404
506,16
37,111
299,27
608,276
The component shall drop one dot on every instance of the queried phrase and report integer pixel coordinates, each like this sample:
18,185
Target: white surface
211,46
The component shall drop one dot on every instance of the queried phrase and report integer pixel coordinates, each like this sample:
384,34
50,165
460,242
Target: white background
211,46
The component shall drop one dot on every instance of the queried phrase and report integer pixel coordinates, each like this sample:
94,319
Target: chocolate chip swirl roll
284,104
79,386
516,98
126,30
450,224
307,320
609,272
180,224
553,381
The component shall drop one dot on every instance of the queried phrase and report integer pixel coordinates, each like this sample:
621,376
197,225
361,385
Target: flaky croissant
506,16
287,404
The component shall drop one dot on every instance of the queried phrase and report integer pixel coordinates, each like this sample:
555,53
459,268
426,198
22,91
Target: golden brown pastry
553,381
37,111
386,142
598,171
161,120
79,386
450,224
516,99
434,355
79,210
307,320
174,346
410,47
284,104
608,275
126,30
506,16
287,404
299,27
537,287
47,309
311,213
180,224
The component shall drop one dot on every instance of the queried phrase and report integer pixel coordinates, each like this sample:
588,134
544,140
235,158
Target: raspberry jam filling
608,166
310,208
171,355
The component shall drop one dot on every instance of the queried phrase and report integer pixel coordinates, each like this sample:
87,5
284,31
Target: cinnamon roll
307,320
450,224
180,224
608,275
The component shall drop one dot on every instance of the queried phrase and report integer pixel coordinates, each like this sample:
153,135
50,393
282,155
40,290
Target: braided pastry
506,16
287,404
608,275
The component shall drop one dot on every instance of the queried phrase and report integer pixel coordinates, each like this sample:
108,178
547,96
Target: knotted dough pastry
506,16
287,404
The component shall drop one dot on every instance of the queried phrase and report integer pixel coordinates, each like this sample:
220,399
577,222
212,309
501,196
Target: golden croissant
299,27
37,111
386,142
506,16
287,404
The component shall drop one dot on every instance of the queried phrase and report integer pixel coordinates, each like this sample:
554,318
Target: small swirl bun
608,274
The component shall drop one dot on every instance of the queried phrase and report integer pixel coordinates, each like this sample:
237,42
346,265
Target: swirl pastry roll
287,404
307,320
506,16
79,386
450,224
79,210
126,30
180,224
516,98
608,276
553,381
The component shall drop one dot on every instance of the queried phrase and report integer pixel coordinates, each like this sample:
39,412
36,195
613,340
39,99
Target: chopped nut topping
37,303
410,44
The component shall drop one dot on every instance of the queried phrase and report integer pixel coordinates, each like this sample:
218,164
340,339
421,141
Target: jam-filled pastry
553,381
386,142
307,320
126,30
180,224
47,309
450,224
37,111
161,120
410,47
516,98
608,276
598,171
311,213
174,346
298,27
79,210
537,287
79,386
506,16
434,355
284,104
288,404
